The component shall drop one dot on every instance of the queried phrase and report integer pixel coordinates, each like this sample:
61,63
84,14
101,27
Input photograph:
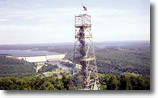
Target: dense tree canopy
107,82
12,66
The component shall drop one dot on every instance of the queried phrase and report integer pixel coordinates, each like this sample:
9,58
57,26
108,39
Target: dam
34,56
42,58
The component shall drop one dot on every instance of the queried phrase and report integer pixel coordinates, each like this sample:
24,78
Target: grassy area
57,73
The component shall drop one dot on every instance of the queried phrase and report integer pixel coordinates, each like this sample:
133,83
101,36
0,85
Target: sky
52,21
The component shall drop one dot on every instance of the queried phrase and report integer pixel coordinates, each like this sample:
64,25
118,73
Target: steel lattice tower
85,74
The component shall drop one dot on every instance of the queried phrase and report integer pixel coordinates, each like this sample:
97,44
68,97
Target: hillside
11,66
123,60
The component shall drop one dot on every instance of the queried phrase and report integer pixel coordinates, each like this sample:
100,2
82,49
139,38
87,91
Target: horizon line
73,42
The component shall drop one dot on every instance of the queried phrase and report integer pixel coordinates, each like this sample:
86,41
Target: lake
26,52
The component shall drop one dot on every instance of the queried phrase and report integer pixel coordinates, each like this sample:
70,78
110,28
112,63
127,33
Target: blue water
26,52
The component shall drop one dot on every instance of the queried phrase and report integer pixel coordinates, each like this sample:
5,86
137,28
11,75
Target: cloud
27,20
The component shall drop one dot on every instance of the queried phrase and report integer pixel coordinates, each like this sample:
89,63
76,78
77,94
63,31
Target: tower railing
86,76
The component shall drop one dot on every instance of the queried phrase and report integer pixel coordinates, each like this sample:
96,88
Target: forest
107,82
123,60
15,67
